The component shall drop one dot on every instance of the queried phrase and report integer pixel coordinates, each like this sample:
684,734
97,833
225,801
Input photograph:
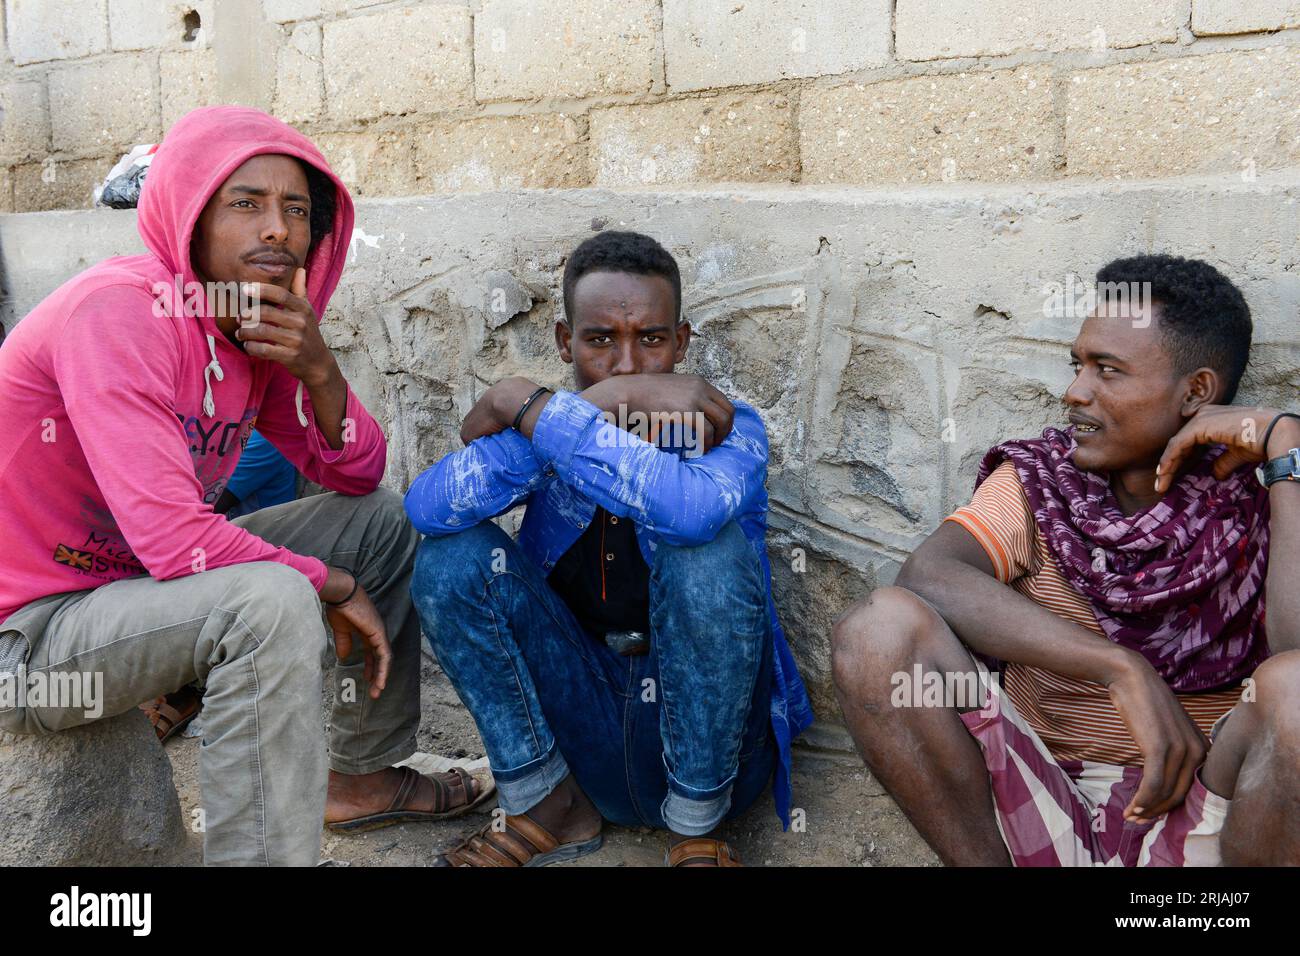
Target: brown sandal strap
703,848
533,832
521,840
159,710
504,851
405,790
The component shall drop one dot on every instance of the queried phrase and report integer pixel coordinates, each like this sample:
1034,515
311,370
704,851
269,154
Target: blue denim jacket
577,461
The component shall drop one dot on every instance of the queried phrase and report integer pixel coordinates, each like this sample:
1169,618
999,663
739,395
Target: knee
882,630
276,588
448,563
1275,684
277,603
718,580
729,553
388,512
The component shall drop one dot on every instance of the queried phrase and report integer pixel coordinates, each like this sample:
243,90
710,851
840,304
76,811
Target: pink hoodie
119,429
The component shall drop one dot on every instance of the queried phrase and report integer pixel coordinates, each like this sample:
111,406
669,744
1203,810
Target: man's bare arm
952,571
1281,588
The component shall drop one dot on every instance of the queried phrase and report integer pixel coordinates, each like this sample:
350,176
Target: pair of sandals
524,842
520,842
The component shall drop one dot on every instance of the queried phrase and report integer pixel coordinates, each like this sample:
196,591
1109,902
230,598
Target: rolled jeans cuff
692,817
519,790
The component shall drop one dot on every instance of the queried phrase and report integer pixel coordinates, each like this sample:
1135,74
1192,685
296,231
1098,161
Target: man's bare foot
357,795
568,813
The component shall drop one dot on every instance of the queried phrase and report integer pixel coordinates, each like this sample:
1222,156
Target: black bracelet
1268,432
356,583
524,410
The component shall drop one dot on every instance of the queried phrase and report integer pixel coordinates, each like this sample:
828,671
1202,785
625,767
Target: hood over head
195,158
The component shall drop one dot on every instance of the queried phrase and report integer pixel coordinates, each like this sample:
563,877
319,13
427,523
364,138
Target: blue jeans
677,738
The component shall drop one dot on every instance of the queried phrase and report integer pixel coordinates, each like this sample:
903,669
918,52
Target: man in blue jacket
623,661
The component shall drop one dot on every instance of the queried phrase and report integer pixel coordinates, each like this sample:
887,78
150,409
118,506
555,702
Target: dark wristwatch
1286,468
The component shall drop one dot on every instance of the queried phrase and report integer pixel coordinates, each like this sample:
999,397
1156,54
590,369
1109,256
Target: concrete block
150,24
51,184
994,126
299,83
736,138
284,11
142,24
501,152
547,48
24,122
1210,17
709,45
405,60
371,163
38,30
103,105
1232,111
188,80
936,29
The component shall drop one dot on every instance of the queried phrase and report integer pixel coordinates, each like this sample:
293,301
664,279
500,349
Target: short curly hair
324,202
617,251
1204,319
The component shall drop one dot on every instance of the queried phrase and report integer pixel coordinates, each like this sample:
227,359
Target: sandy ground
850,820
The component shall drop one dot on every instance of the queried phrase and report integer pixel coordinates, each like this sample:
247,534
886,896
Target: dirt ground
850,820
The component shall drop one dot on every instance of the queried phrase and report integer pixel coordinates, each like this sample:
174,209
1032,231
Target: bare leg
924,756
1255,762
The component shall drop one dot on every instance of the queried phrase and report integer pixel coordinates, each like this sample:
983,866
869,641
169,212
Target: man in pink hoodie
126,397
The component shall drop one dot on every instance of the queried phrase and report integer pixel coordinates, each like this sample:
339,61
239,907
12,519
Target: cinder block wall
417,97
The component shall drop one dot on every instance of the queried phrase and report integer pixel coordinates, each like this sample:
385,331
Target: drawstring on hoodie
213,368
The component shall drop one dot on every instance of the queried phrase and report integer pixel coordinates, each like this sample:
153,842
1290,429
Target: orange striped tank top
1074,718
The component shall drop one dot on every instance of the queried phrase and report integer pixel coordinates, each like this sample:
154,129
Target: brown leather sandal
523,842
444,801
172,713
719,852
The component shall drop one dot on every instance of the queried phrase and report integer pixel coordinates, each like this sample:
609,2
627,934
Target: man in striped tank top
1100,601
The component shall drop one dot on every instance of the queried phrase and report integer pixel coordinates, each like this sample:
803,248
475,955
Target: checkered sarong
1070,812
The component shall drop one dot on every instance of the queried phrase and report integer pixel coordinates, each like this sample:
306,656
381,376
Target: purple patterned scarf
1181,582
